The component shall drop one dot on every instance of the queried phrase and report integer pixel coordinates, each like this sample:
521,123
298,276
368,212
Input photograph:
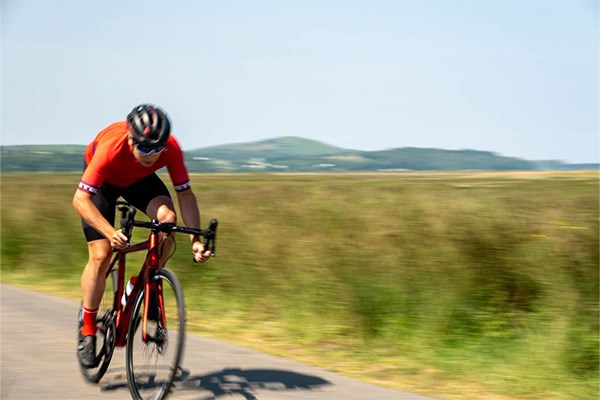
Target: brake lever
211,238
127,221
211,242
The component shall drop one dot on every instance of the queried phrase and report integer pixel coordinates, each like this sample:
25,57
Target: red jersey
109,158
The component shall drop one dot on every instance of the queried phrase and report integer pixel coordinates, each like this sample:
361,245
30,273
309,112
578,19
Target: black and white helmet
149,126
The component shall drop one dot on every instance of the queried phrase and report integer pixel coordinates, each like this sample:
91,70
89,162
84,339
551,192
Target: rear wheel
105,332
153,363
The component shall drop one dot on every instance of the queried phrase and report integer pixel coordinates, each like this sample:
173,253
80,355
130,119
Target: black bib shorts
139,195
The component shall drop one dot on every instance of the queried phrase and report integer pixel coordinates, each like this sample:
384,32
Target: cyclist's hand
118,240
200,255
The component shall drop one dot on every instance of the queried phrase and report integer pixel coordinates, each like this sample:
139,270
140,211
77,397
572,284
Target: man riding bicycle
122,162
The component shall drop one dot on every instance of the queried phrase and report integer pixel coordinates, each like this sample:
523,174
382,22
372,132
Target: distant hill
37,158
290,154
299,154
287,146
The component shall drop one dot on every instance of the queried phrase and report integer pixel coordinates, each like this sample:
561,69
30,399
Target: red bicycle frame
151,264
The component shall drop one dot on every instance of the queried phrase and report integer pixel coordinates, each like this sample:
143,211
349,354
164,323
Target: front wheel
153,362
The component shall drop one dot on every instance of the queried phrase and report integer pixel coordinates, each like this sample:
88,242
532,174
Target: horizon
327,144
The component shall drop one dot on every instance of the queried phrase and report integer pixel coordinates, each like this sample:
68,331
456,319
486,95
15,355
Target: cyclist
122,162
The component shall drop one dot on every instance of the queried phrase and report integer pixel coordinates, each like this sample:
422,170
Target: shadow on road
227,382
247,382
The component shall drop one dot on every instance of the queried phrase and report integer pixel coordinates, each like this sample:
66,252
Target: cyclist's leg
93,281
93,277
99,249
152,196
162,209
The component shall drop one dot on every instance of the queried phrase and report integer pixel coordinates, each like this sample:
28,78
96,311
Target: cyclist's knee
99,253
166,214
98,261
162,209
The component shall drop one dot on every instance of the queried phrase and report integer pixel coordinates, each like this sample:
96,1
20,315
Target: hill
291,154
286,146
299,154
41,158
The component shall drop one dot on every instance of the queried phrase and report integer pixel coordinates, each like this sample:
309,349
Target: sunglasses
146,150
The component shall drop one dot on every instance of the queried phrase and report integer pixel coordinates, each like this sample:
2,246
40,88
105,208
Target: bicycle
150,320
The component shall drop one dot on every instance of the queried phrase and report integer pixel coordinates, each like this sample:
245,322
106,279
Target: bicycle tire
105,332
152,366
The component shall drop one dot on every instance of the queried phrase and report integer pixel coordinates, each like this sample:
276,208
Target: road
38,362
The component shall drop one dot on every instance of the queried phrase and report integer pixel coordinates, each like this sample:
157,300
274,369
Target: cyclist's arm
190,212
191,218
179,176
82,202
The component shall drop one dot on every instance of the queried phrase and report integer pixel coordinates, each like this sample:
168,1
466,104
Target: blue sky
519,78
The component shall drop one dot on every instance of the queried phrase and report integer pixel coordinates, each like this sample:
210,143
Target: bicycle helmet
149,126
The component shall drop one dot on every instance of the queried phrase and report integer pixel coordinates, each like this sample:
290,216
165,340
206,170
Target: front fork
153,291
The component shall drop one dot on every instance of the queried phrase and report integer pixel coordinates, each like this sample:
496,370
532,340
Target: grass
457,285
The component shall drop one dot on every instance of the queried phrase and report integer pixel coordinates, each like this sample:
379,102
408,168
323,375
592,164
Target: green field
457,285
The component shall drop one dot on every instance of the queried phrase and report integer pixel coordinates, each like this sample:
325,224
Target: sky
519,78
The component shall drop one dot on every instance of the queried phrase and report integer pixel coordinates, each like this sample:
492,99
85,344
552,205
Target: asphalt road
38,362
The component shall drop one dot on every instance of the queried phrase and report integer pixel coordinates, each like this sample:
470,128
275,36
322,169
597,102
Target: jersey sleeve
176,167
95,172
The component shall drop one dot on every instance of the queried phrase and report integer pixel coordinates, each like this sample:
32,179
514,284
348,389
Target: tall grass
451,284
